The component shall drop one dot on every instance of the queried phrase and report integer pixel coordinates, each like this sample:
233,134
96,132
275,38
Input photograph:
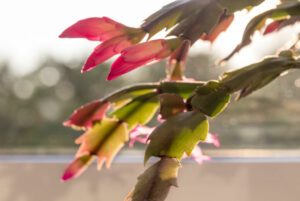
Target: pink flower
140,134
198,155
115,37
159,117
85,115
106,50
212,139
142,54
95,29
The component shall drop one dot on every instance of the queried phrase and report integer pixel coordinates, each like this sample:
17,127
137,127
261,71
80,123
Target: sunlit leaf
103,140
255,76
233,6
223,24
126,98
211,99
154,184
177,135
171,14
195,26
139,111
193,18
170,105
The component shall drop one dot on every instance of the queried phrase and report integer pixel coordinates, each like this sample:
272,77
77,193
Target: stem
177,61
115,95
160,87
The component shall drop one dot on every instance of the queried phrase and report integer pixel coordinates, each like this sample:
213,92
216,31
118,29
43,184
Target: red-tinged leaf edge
84,116
77,167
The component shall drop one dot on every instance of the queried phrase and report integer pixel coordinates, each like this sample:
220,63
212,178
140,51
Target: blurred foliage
33,106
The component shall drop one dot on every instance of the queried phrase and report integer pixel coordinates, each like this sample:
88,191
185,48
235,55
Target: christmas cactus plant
183,106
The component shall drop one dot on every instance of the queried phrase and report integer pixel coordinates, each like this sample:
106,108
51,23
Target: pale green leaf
255,76
155,182
103,140
171,14
195,26
236,5
177,135
184,89
139,111
211,99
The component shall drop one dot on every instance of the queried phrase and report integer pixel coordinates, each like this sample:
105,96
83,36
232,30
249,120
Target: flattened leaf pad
154,184
177,135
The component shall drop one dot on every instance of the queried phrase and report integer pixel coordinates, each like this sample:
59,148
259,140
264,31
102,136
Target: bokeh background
41,83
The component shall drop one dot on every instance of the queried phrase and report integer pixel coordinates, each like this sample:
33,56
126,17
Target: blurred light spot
23,89
65,91
74,64
49,76
251,134
49,109
297,82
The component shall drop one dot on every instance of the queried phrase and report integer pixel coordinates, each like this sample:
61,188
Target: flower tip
66,176
63,35
111,76
86,68
89,64
67,34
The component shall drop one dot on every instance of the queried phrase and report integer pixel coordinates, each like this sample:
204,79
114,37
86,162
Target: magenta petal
106,50
121,67
140,134
85,115
96,29
198,155
138,55
212,139
76,167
